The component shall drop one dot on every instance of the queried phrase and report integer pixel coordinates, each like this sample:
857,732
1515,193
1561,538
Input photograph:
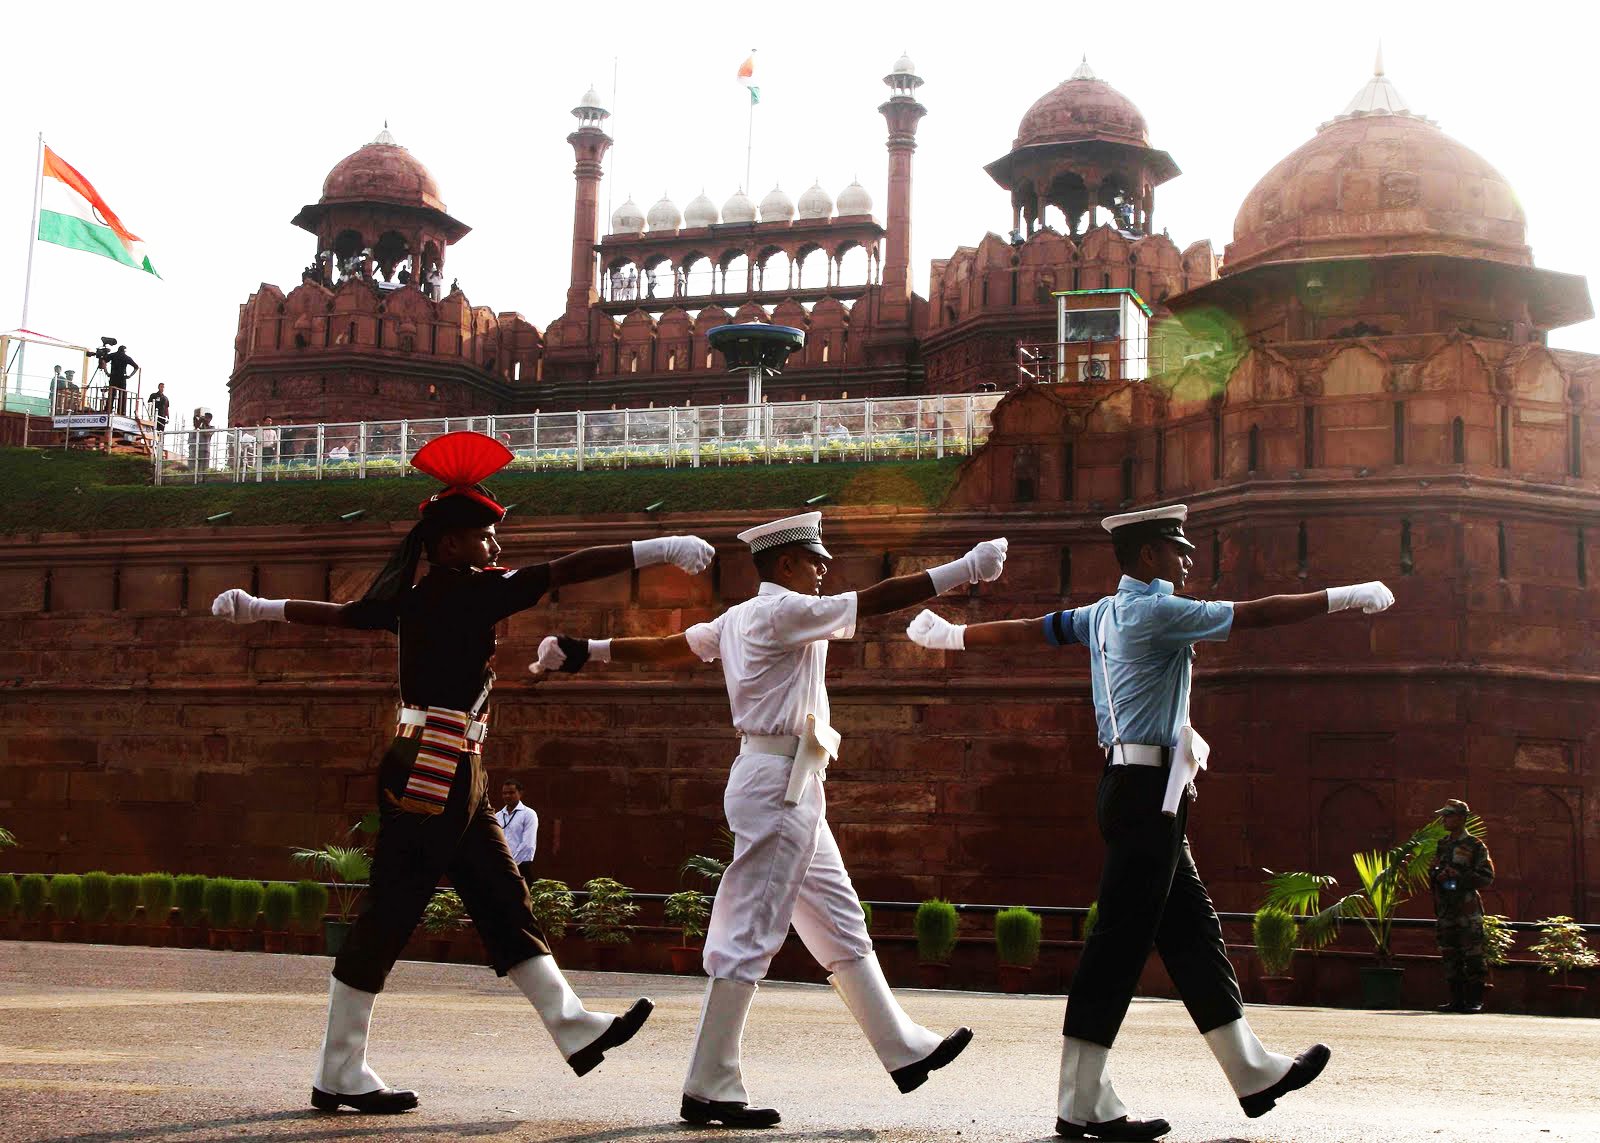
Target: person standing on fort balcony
1461,866
431,790
1141,646
159,404
786,866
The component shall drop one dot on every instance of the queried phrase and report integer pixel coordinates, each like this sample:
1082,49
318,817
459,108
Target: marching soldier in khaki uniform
786,866
432,789
1461,866
1141,646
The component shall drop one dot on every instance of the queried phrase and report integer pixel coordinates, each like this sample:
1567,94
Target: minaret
569,355
902,111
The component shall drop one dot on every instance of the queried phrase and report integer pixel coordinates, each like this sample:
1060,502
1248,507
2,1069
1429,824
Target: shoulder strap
1105,672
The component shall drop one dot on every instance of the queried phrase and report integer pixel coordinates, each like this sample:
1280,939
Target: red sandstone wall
138,733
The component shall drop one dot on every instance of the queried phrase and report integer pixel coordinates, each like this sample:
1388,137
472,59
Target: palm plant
711,868
345,867
1389,878
7,838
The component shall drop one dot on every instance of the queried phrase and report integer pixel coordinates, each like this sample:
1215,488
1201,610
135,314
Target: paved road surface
101,1043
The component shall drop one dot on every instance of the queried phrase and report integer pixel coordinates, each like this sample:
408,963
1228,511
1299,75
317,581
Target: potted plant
347,868
551,902
1016,940
1388,880
688,911
124,905
441,920
277,907
935,925
1090,919
246,911
1276,934
8,902
219,910
189,895
603,918
1498,941
66,904
866,915
1561,948
310,907
157,891
33,894
96,907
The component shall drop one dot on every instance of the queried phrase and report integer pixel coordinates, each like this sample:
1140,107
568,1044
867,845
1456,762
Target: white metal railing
791,432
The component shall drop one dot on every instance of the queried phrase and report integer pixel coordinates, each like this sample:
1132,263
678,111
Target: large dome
1379,179
1085,107
382,171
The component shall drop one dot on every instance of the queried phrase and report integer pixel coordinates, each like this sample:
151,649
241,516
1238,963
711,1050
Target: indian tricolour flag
72,213
747,77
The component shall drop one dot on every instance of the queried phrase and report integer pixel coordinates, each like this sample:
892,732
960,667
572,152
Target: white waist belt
417,716
783,745
1139,754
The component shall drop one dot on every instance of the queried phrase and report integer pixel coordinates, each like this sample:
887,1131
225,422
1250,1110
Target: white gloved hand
690,553
1370,597
238,606
551,656
982,564
936,633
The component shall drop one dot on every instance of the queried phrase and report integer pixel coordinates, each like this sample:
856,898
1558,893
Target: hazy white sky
207,126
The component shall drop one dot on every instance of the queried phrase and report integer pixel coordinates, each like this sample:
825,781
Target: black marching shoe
1307,1066
1120,1128
913,1076
1471,997
1457,1001
384,1101
585,1060
729,1113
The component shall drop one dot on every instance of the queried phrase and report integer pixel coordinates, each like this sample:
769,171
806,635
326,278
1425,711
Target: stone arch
700,348
1355,372
826,341
1352,818
1545,868
1537,377
674,338
1455,365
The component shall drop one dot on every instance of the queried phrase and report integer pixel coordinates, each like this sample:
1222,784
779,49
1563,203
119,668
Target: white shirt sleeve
705,639
801,619
533,833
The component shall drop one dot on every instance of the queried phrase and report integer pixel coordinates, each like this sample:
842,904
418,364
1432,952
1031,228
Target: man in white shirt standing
521,826
786,865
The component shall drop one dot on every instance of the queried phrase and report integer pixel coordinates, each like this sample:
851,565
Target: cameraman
1461,866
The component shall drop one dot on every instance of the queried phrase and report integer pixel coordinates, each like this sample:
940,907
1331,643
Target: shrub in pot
246,910
935,926
603,918
189,895
1017,932
444,917
310,907
1276,934
277,907
8,899
124,904
33,894
219,909
551,902
157,891
866,915
687,910
66,904
96,905
1561,948
1091,919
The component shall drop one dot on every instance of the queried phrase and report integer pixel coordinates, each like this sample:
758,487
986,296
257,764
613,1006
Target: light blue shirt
1150,635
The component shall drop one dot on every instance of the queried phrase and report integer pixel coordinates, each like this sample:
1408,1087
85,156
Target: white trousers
786,869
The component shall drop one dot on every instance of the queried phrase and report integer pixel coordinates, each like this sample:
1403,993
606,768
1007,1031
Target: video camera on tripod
103,354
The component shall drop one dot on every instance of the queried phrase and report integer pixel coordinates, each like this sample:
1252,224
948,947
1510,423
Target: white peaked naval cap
1151,524
804,529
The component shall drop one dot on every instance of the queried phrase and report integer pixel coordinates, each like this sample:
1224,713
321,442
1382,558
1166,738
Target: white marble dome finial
664,215
739,208
815,202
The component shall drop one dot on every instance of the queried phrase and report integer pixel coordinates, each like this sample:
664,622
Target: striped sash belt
445,736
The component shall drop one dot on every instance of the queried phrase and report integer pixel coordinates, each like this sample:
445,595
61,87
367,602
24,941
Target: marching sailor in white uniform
1141,645
786,867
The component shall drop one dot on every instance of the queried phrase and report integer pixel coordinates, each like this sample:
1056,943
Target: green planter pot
1380,987
333,935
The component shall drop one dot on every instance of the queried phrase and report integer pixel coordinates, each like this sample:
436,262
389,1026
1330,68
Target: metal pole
161,452
866,425
917,431
580,442
322,438
405,446
938,439
816,433
27,284
361,443
536,442
750,136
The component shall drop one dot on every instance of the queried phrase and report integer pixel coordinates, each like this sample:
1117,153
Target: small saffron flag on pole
747,77
72,214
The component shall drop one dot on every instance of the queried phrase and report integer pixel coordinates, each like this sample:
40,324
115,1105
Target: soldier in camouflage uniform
1461,866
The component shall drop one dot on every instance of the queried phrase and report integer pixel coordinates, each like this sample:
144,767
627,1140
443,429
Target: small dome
854,199
816,202
591,98
777,206
739,208
382,171
1083,108
664,215
904,66
628,218
701,211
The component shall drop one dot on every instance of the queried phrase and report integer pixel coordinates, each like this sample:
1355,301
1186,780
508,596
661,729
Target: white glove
937,634
1370,597
551,656
983,563
690,553
238,606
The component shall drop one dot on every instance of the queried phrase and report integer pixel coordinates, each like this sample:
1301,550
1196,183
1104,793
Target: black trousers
1150,895
414,851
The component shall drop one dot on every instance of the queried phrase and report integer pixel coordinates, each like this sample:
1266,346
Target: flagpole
612,181
33,234
749,141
